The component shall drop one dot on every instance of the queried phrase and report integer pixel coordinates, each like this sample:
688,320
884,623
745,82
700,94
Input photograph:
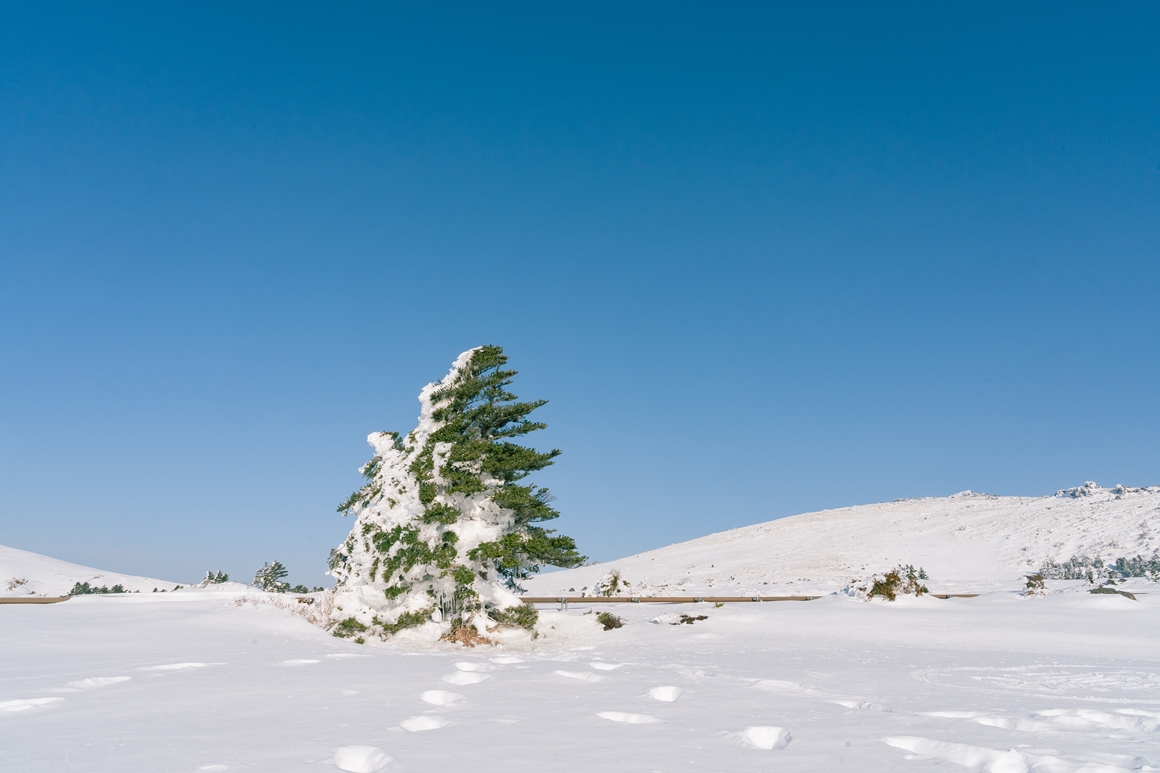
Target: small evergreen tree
270,578
215,578
903,579
447,525
84,589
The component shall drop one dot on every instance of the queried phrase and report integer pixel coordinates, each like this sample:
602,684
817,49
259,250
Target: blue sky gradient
761,258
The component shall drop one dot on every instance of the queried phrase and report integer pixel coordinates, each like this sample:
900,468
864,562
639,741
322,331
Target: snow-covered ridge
46,576
967,541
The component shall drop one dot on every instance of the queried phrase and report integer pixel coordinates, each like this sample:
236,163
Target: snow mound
44,576
967,541
361,759
767,737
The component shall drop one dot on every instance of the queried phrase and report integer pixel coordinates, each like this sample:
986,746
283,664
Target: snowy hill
49,577
967,541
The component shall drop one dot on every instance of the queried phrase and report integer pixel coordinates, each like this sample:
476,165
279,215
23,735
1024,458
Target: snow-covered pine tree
445,528
215,578
270,578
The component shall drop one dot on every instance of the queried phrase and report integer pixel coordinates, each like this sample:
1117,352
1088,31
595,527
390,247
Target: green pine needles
447,523
84,589
271,577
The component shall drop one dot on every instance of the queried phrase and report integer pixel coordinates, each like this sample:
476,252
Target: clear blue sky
762,259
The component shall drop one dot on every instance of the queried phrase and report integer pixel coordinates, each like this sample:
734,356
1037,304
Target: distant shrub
1092,569
1117,591
610,584
609,620
1035,585
270,578
16,582
215,578
886,587
904,579
689,619
84,589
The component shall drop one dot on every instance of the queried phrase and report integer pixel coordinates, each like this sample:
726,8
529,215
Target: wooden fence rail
33,599
566,600
658,599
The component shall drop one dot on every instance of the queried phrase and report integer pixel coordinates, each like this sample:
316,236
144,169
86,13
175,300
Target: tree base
466,635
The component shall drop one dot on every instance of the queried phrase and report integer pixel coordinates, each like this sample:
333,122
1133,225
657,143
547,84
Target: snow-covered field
224,679
191,681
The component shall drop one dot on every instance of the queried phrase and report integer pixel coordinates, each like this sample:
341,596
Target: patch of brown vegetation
466,635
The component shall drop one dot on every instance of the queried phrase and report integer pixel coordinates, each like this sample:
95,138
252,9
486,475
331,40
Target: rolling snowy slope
967,541
49,577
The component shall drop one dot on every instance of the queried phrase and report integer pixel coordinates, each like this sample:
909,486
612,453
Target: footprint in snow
632,719
24,704
468,666
1130,720
584,676
442,697
967,755
861,705
666,693
299,662
361,759
464,677
423,722
91,683
766,737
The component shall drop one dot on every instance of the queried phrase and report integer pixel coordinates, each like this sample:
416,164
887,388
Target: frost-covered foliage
1035,585
611,584
1088,489
445,530
1091,488
905,579
271,578
1089,568
215,578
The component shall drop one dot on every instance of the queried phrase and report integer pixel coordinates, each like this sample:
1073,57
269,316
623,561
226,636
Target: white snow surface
965,542
199,681
51,577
